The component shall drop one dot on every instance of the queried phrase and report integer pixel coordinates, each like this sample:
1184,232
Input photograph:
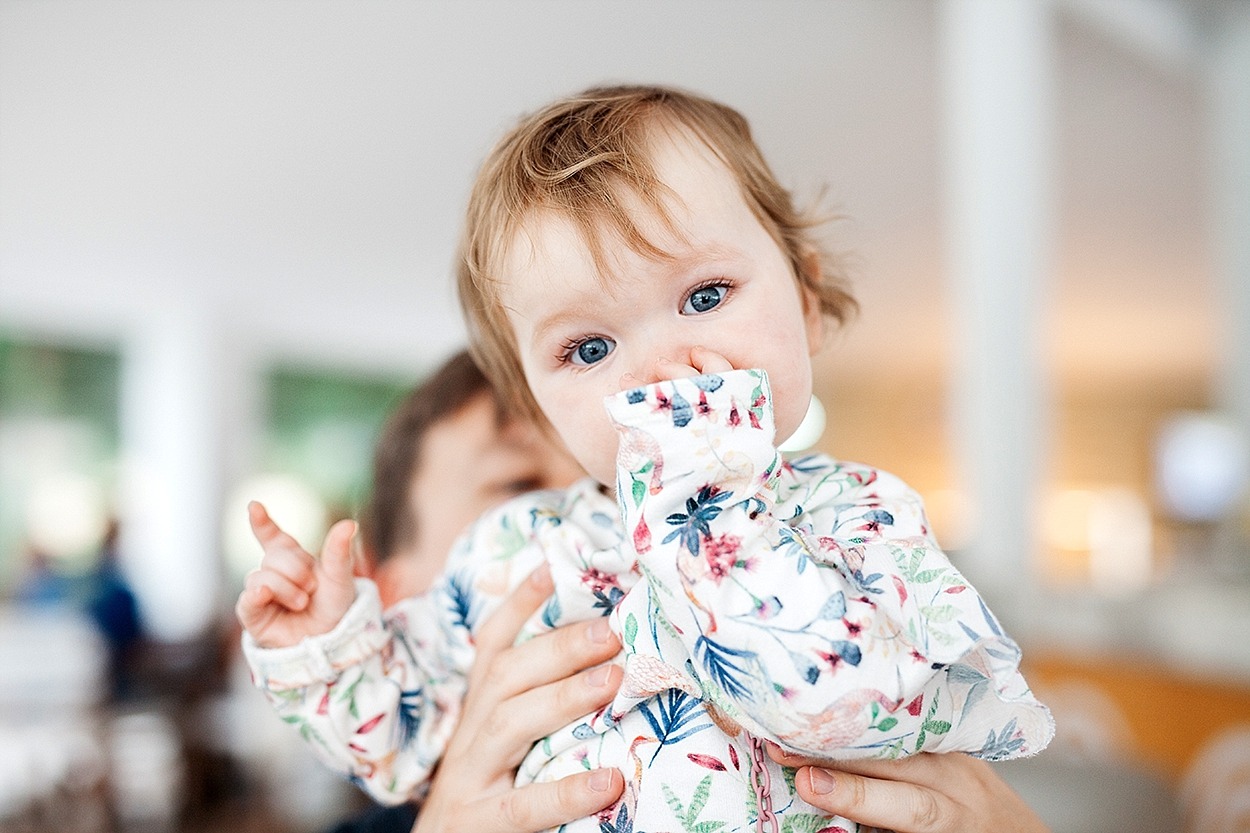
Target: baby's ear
813,315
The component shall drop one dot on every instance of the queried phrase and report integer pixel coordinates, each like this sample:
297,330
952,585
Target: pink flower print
598,579
720,553
642,537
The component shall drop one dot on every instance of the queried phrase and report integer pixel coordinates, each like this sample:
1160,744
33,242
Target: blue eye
592,350
703,299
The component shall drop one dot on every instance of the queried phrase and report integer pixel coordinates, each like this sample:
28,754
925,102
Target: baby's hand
701,360
292,594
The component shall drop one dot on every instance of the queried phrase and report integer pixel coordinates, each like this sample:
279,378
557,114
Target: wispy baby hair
576,157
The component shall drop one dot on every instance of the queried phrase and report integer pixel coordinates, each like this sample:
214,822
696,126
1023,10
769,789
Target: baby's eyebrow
558,320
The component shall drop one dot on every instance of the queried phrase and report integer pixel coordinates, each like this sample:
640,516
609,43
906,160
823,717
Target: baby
635,276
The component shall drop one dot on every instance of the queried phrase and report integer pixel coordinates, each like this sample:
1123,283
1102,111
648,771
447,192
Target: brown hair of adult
574,157
387,523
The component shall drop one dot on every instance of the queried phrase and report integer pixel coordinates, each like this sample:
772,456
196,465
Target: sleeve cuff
737,397
321,658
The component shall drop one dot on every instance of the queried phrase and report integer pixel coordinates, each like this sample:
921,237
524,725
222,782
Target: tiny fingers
268,587
667,370
709,361
336,552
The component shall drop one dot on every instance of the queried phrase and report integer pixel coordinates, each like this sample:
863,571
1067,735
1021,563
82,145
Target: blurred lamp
1202,466
66,514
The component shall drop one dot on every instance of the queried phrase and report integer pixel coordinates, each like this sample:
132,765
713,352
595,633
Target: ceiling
294,171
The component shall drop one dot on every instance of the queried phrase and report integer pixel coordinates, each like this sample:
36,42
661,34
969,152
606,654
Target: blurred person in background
112,606
453,422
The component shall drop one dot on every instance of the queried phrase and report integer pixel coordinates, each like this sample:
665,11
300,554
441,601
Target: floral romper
803,602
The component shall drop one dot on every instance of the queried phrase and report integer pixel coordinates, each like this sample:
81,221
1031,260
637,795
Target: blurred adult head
446,454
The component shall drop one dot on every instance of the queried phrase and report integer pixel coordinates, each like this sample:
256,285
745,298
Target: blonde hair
574,157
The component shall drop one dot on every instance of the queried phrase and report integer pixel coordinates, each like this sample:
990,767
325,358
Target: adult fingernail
600,780
598,630
821,780
598,677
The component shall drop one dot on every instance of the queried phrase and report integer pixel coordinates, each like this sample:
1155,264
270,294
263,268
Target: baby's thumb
336,553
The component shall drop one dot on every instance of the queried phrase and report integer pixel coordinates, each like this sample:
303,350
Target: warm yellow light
66,514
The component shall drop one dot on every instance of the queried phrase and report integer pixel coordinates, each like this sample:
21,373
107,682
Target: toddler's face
727,288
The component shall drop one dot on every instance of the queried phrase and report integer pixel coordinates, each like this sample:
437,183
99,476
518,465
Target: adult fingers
510,729
920,769
531,808
501,627
894,805
549,657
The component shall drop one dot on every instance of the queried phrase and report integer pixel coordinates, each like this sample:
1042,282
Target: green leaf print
937,727
804,823
940,613
689,816
631,630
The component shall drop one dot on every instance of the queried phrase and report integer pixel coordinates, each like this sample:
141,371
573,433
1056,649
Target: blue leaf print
807,669
460,600
865,583
718,659
808,463
635,395
834,607
700,512
999,746
583,731
966,674
607,602
989,617
551,612
682,412
677,718
1008,656
709,382
879,516
848,651
623,823
409,715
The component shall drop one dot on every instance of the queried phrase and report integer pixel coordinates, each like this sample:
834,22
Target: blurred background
226,235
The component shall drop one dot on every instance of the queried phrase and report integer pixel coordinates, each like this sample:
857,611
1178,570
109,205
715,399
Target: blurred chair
54,770
1216,788
1090,780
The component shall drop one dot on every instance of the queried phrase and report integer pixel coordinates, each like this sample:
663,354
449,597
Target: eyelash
569,346
723,283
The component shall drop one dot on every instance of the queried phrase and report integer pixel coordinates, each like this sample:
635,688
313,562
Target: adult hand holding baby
927,793
518,694
293,594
